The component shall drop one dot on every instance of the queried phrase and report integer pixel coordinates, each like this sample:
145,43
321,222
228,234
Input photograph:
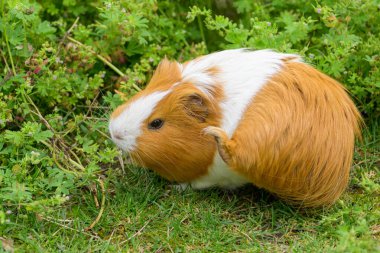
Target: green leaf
243,6
45,28
16,34
43,136
15,137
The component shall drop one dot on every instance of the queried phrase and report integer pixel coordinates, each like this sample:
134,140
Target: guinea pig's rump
296,138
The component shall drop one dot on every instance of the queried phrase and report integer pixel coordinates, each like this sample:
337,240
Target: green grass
143,213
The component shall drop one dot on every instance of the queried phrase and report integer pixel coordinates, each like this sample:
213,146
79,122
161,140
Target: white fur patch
219,175
241,74
126,127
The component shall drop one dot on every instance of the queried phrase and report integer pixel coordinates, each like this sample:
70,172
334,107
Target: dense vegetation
66,64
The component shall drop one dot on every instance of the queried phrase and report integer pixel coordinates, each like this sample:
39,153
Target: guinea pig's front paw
221,139
216,132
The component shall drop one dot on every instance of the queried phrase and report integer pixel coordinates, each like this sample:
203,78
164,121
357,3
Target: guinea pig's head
162,126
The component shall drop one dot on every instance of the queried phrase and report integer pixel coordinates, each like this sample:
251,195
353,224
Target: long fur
276,122
296,138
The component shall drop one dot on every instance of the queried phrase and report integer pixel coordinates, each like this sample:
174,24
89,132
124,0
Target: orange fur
296,138
166,74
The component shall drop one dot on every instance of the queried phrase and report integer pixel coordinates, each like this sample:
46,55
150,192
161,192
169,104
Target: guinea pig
240,116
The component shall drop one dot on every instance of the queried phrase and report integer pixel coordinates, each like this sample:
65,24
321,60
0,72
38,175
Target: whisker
161,165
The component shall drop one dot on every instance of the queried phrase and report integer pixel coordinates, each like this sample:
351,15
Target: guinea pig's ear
196,106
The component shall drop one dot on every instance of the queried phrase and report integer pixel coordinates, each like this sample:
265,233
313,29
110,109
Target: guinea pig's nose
117,136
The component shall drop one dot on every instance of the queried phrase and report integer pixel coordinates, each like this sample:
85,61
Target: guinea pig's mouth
125,143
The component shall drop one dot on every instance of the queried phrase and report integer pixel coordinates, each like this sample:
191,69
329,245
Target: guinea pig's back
296,138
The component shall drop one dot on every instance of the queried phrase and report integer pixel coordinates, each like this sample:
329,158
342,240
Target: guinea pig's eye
156,124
